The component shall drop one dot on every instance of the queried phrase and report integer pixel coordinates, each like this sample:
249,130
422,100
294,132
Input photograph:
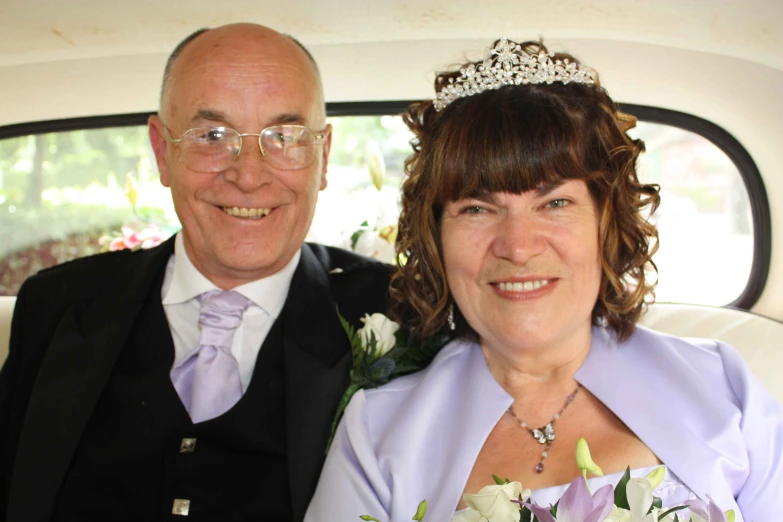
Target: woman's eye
472,209
558,203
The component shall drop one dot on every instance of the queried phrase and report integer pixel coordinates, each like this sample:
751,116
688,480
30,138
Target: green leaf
346,398
553,509
353,337
620,495
525,515
369,518
499,481
372,349
355,238
730,515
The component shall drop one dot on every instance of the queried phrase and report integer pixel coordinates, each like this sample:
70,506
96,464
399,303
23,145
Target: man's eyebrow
284,118
218,116
209,115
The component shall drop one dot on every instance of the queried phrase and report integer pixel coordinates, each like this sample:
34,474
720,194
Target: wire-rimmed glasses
214,149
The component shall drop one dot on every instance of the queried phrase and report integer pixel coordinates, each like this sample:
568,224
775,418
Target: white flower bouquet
631,500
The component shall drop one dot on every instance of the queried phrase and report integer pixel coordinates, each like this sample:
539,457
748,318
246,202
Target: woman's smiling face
524,269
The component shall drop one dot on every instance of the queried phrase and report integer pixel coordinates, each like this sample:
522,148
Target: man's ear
327,146
159,145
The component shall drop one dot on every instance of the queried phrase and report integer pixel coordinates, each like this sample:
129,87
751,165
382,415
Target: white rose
494,503
382,328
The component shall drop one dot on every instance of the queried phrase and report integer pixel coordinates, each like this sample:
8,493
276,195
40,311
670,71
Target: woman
523,227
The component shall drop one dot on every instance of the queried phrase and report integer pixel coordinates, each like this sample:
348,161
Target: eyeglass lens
213,149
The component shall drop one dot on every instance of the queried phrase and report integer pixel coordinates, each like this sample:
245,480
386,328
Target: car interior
703,79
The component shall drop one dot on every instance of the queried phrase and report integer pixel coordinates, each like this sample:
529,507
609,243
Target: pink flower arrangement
131,239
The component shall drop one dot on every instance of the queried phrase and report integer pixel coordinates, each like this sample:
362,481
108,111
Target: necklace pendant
540,467
544,434
538,434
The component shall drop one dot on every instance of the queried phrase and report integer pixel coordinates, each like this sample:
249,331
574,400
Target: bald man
199,378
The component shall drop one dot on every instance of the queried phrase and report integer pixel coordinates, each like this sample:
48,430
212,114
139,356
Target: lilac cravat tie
208,380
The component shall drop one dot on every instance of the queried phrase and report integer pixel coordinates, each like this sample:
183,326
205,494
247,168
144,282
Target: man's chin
253,262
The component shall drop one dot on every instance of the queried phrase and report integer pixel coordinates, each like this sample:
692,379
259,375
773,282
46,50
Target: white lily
493,503
639,492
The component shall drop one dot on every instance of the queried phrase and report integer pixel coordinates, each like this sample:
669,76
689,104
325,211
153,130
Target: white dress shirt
183,283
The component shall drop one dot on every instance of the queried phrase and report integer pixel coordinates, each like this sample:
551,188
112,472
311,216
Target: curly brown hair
515,139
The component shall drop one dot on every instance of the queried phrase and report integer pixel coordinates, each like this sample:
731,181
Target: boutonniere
381,351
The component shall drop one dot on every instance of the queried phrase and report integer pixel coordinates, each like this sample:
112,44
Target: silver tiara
508,64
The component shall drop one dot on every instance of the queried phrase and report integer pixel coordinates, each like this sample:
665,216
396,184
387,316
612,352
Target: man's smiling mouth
244,212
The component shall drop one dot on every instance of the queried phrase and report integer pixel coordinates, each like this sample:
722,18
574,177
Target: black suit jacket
71,322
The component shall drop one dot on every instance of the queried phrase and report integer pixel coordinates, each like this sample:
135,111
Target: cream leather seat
759,339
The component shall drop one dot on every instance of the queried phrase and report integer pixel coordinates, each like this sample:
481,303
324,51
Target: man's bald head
251,29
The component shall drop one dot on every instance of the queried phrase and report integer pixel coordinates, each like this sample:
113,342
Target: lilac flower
576,504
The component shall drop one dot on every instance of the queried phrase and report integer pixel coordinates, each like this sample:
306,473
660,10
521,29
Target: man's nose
250,169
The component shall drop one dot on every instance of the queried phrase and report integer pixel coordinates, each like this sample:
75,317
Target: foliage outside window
69,194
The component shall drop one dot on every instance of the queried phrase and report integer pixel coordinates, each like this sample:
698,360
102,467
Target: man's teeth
527,286
247,212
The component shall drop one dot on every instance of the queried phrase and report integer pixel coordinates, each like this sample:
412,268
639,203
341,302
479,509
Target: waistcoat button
180,507
187,446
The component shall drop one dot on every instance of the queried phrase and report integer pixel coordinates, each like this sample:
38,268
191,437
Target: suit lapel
71,378
317,362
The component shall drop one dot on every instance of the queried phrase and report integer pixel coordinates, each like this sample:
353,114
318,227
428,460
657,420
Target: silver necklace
544,434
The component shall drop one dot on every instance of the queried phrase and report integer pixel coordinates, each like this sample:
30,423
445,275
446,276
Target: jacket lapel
644,382
71,378
317,362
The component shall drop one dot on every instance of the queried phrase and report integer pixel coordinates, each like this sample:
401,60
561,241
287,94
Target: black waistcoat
133,465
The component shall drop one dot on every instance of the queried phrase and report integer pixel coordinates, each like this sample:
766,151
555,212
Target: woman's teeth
527,286
255,213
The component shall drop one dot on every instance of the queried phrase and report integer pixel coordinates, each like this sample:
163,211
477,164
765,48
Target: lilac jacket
693,402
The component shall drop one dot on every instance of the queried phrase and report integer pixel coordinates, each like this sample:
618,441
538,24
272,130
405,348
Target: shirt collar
188,283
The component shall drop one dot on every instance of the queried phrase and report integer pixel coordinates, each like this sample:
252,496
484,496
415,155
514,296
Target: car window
74,193
704,220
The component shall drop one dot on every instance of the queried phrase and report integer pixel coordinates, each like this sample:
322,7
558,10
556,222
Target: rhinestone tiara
509,64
